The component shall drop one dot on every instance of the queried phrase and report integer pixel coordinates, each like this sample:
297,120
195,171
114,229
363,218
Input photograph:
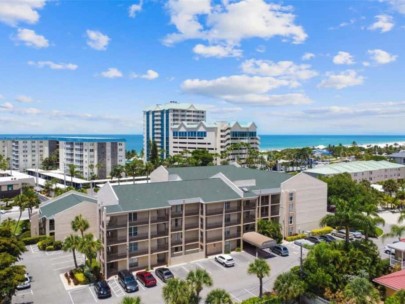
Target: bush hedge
50,248
33,239
49,244
295,237
322,231
81,278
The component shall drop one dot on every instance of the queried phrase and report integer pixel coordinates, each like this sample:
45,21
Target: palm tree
289,286
131,300
218,296
396,231
21,201
33,200
260,268
148,169
81,224
197,279
361,291
90,246
176,291
117,172
72,171
72,243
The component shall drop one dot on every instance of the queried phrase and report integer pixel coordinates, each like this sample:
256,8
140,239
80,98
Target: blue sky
293,67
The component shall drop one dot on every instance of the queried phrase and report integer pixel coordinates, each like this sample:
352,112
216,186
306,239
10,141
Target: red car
146,278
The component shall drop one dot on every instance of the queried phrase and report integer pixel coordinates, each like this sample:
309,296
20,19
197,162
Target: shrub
81,278
50,248
33,239
58,245
295,237
45,243
322,231
237,249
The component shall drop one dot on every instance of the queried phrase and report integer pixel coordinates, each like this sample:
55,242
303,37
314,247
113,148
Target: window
227,218
291,207
9,187
291,196
133,231
133,262
290,220
133,247
227,205
133,217
227,232
178,208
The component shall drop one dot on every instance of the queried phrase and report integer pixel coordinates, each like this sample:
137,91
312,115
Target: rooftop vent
244,189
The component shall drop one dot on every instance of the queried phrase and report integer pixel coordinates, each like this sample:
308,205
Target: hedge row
33,239
322,231
295,237
49,244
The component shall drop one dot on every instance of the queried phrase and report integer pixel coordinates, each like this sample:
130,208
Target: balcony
176,242
116,256
160,248
116,240
177,228
140,221
192,212
216,211
194,239
116,225
233,209
214,225
233,223
139,237
159,219
213,239
233,235
177,214
159,234
249,219
191,226
143,251
249,207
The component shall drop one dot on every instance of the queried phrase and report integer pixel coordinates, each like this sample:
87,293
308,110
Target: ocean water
267,142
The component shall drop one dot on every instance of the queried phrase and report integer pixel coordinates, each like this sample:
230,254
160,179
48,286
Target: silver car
225,259
26,284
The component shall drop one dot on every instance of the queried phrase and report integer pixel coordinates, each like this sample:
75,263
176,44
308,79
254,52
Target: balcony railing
116,240
177,214
159,219
116,225
233,209
176,242
192,212
138,252
192,240
249,206
177,228
249,219
216,238
214,225
139,237
217,211
190,226
140,221
232,235
158,234
232,223
116,256
160,248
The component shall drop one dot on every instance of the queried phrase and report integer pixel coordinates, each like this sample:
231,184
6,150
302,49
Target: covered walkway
258,241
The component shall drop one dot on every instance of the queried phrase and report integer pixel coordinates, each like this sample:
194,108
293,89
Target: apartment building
91,155
186,214
26,152
398,157
12,182
372,171
158,120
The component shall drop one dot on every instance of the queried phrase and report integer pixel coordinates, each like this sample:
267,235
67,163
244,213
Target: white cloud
53,65
112,73
30,38
243,89
381,57
286,70
308,56
398,5
13,12
218,51
384,23
342,80
23,99
97,40
134,9
7,106
149,75
230,22
343,58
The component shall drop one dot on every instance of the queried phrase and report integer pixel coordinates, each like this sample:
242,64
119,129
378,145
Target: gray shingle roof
264,179
158,195
63,202
354,167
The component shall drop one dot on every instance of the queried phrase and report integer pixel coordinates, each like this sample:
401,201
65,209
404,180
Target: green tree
271,229
260,268
177,291
133,168
340,186
11,275
72,243
117,172
154,153
218,296
89,246
397,298
201,157
80,223
390,186
130,300
289,286
396,231
197,279
21,202
3,163
72,172
33,200
361,291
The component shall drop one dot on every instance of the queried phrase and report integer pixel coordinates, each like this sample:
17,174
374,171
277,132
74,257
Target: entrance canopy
258,240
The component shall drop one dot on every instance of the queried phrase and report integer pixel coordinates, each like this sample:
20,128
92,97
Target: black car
280,250
314,239
127,281
164,274
327,238
102,290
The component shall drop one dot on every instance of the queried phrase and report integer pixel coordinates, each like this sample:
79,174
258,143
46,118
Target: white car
26,283
389,250
303,242
225,260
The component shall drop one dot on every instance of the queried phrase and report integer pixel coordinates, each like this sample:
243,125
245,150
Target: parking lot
47,286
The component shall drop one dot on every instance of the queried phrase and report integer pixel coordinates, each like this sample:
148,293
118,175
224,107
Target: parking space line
140,285
237,299
205,268
249,292
216,264
70,296
185,269
94,296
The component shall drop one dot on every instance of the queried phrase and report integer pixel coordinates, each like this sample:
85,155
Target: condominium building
185,214
26,152
372,171
179,127
12,182
158,120
91,155
398,157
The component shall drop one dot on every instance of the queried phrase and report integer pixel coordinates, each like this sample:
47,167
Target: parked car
127,280
280,250
389,250
102,289
26,284
327,238
164,274
303,242
146,278
342,234
314,239
225,260
356,234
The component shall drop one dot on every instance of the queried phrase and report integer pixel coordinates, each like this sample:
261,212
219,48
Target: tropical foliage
271,229
261,269
218,296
